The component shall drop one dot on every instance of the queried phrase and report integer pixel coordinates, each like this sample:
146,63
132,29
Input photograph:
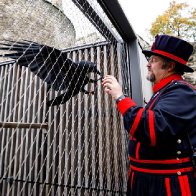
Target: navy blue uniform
159,148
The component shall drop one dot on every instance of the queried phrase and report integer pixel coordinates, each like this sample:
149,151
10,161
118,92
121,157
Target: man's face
155,70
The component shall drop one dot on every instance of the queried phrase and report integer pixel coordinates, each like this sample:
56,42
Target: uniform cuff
125,104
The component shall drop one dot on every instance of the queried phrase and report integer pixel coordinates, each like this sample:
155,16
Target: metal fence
77,148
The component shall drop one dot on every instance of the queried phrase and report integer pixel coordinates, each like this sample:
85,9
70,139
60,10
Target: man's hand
112,87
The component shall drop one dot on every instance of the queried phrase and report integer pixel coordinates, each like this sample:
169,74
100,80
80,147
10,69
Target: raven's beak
101,78
98,72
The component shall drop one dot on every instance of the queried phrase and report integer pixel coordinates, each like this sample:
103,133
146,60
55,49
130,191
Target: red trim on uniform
184,185
190,85
129,172
154,101
173,57
132,177
167,161
136,121
166,81
137,150
125,104
167,186
162,171
151,128
132,138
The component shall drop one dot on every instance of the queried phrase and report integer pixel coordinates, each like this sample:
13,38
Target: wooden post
23,125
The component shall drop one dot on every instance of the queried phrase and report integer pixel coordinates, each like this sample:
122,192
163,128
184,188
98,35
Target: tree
178,20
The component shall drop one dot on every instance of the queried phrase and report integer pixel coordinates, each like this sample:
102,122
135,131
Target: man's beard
151,77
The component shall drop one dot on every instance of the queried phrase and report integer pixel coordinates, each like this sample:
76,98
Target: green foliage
178,20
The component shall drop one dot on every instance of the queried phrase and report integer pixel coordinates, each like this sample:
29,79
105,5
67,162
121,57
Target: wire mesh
73,148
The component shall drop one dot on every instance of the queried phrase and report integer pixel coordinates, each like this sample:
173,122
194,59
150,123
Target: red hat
173,48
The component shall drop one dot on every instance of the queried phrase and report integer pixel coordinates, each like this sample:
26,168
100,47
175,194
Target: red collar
165,81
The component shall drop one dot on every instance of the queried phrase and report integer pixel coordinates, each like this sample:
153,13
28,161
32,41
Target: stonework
57,3
35,20
191,77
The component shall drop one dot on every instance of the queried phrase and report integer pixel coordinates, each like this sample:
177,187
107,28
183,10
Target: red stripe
136,121
132,138
166,81
137,155
184,185
154,101
129,172
167,185
151,128
187,187
132,177
176,58
163,171
167,161
125,104
190,85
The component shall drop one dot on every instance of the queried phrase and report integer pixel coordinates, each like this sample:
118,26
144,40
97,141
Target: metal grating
75,148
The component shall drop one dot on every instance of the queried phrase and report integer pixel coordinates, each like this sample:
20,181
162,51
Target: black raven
52,66
76,83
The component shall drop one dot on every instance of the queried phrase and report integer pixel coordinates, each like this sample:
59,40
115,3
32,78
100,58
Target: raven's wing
76,80
87,67
50,64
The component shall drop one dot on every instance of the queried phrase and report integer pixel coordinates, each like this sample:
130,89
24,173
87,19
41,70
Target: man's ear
171,66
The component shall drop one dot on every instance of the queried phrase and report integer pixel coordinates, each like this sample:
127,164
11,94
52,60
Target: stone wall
35,20
191,77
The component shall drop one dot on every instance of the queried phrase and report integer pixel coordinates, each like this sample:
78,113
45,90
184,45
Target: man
161,134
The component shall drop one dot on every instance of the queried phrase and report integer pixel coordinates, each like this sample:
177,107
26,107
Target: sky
141,13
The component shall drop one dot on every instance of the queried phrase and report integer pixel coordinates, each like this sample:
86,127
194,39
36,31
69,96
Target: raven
52,66
78,80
